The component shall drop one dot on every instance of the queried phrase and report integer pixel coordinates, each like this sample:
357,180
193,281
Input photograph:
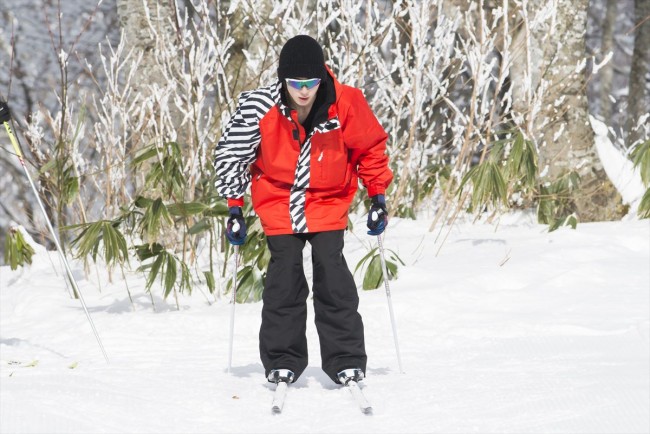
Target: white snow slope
506,330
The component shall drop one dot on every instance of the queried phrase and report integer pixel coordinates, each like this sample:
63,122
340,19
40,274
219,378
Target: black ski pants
283,342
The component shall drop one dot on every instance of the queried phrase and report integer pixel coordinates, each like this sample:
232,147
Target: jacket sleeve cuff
374,190
235,202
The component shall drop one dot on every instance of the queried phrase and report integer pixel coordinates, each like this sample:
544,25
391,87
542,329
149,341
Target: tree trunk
561,128
607,71
138,35
639,95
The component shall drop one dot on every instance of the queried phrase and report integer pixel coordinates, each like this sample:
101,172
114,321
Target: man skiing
302,144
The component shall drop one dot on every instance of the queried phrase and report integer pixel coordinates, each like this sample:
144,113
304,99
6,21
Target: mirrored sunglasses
299,84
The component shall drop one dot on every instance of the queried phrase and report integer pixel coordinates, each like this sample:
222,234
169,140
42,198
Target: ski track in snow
507,330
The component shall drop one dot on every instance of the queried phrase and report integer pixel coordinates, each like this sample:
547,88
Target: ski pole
390,302
233,302
5,118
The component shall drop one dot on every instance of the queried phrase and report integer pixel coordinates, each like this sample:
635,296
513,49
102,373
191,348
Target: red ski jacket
302,181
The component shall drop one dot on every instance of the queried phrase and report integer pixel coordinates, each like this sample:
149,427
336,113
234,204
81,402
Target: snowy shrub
134,157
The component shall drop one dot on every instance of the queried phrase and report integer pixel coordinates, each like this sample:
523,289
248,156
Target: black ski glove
5,113
378,215
236,227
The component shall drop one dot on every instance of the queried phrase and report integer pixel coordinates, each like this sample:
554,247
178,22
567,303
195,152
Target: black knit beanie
302,56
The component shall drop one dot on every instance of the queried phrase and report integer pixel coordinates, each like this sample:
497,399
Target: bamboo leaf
154,270
210,281
70,187
245,283
143,156
121,246
200,226
250,284
394,256
641,159
104,232
155,217
573,180
143,202
170,274
186,209
467,178
48,166
489,186
186,283
530,164
26,250
146,251
644,206
363,260
220,209
373,276
555,224
109,242
10,253
572,221
254,286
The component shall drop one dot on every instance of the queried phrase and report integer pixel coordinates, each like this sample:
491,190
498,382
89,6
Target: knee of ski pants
285,276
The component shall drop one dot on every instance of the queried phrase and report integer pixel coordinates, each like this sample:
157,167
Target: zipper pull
320,157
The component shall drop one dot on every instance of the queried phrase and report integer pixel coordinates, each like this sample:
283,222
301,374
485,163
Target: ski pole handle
5,113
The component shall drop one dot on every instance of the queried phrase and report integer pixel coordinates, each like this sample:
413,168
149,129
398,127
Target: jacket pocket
329,161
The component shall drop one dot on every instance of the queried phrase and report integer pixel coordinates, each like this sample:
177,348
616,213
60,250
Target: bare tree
639,95
607,71
553,71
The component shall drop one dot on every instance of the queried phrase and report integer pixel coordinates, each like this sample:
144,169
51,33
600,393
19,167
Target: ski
281,378
278,397
350,378
361,400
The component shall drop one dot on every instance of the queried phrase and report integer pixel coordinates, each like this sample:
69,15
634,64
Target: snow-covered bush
139,147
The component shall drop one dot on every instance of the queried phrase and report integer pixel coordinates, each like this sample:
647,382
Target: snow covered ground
509,329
